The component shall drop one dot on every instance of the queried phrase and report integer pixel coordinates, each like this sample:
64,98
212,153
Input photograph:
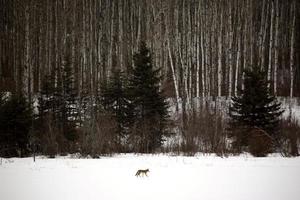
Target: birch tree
276,50
292,43
270,46
202,46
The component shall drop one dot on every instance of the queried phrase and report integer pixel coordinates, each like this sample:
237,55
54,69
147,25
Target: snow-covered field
170,178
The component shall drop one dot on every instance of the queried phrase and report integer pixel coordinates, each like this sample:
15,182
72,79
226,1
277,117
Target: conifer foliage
255,108
68,102
115,100
150,106
58,109
15,123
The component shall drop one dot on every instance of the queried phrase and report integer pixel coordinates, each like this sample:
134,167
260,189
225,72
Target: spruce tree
50,97
68,102
254,108
48,119
46,97
58,103
15,124
150,106
115,100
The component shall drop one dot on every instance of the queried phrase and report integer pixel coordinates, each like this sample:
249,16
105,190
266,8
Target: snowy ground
170,178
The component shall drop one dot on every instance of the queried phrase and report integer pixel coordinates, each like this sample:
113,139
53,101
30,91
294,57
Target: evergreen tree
46,96
46,123
15,124
150,106
58,108
254,108
115,100
68,102
50,97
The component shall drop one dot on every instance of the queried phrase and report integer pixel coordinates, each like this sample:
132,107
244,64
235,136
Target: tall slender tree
150,106
68,101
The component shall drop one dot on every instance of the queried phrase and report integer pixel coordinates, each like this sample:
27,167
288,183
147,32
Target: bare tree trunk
26,73
261,31
111,40
189,56
276,48
238,54
251,35
198,45
264,35
245,50
219,77
292,44
207,49
185,78
174,76
203,56
270,46
230,51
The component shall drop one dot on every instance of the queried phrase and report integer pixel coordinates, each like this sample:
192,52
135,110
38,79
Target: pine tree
46,97
15,124
47,121
115,99
58,108
150,106
68,102
50,97
254,108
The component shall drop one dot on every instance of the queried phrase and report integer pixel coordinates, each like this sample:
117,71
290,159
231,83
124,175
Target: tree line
75,59
125,115
133,115
202,46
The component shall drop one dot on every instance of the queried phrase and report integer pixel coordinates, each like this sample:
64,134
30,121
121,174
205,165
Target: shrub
259,142
289,137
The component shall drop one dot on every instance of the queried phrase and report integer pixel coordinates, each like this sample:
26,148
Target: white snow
203,177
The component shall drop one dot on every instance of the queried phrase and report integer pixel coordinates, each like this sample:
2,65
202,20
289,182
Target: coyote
142,171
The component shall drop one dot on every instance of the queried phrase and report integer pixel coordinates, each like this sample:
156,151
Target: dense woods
202,46
77,64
